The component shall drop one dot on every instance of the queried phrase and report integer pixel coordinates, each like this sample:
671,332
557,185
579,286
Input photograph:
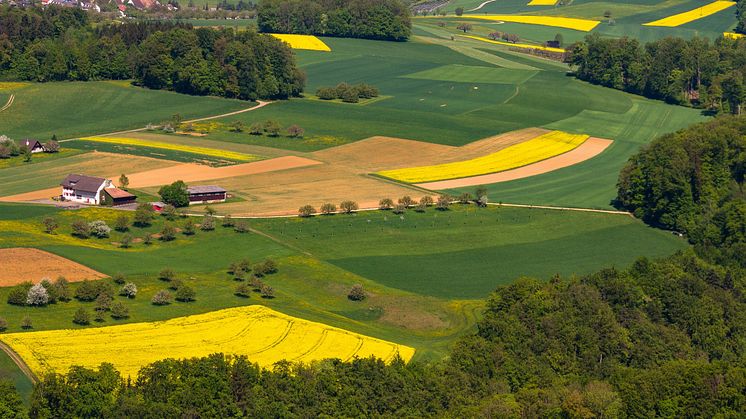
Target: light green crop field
70,109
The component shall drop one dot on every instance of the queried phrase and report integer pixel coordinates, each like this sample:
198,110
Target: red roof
118,193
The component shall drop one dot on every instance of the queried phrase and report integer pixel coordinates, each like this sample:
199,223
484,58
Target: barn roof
117,193
82,183
205,189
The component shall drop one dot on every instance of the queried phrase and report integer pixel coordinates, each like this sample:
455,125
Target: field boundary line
260,104
9,103
20,363
550,207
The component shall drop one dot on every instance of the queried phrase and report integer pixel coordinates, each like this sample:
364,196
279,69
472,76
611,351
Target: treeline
157,55
369,19
661,339
693,72
692,181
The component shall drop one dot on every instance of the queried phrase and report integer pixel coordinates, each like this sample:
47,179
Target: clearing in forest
19,264
262,334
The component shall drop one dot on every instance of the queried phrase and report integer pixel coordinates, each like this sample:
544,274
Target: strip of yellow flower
309,42
264,335
584,25
225,154
692,15
12,85
733,35
542,2
536,149
526,46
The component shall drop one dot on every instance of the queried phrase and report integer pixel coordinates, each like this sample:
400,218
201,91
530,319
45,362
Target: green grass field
71,109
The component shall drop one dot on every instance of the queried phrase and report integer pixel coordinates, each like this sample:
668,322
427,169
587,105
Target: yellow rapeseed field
692,15
584,25
264,335
303,41
542,2
733,35
536,149
517,45
225,154
12,85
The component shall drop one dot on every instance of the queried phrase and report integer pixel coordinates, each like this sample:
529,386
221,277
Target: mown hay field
692,15
537,149
264,335
308,42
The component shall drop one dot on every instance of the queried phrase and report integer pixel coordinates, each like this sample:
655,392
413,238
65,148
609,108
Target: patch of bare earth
589,149
19,264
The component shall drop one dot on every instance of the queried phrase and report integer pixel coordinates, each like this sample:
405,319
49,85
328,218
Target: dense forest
661,339
370,19
694,72
692,181
57,44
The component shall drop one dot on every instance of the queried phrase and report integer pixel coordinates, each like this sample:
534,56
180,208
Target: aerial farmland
373,201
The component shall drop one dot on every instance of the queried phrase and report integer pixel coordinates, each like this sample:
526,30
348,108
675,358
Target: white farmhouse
84,189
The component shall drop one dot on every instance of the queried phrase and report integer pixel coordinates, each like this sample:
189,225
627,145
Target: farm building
84,189
115,197
206,194
33,145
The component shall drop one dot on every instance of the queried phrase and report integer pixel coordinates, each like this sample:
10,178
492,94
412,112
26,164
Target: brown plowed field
20,264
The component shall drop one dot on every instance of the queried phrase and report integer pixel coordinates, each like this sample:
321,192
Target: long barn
206,194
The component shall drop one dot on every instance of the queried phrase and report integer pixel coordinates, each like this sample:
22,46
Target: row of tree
157,55
693,72
370,19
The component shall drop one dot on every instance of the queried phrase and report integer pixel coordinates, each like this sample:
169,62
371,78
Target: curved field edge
251,330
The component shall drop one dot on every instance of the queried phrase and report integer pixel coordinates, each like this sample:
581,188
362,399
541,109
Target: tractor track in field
11,99
19,362
260,104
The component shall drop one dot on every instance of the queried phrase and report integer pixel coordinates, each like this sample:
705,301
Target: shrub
326,93
175,194
162,298
51,290
18,294
256,128
126,241
328,208
306,211
51,146
167,274
407,201
421,207
357,293
168,233
426,200
243,290
210,211
386,204
244,265
50,224
185,294
348,206
272,128
267,267
341,89
208,223
399,209
26,323
62,289
99,229
350,96
99,316
37,296
464,198
175,284
129,290
169,212
80,229
228,221
119,278
103,302
366,91
295,131
147,240
144,215
189,228
82,317
91,290
3,324
122,223
267,291
241,227
119,310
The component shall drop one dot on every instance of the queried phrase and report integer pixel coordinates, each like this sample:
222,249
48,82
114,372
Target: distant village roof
205,189
117,193
82,183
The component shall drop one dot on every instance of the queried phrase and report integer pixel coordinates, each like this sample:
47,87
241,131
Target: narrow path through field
10,102
481,5
548,207
260,104
19,362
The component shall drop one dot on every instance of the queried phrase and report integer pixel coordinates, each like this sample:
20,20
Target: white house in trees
84,189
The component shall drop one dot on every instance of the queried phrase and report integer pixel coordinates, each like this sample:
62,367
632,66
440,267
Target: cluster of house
122,5
93,190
